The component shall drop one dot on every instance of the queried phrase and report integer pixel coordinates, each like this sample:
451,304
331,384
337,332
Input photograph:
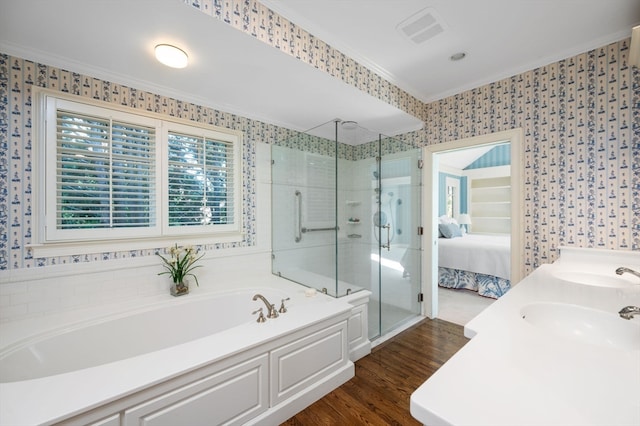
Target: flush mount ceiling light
458,56
171,56
349,125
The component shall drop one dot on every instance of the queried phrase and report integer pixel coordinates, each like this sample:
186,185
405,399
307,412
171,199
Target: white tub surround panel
520,373
36,292
253,372
359,343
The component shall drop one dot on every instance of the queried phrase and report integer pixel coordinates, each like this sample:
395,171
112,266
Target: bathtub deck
385,379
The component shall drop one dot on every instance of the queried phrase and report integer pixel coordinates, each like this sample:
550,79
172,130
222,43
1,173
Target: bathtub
193,358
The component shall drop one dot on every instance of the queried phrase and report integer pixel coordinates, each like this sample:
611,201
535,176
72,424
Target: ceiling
228,70
233,72
500,38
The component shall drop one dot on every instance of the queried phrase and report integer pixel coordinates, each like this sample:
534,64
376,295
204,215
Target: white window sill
90,247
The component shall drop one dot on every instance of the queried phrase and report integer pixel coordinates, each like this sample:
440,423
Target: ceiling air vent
421,26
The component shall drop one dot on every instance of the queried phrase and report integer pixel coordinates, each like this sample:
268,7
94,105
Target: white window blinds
114,175
104,173
201,181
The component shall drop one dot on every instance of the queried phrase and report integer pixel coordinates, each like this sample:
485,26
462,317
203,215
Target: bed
475,262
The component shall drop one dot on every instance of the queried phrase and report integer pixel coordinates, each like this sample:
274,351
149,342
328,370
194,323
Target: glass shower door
396,222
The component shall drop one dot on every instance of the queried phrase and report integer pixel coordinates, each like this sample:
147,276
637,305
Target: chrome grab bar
299,229
388,245
333,228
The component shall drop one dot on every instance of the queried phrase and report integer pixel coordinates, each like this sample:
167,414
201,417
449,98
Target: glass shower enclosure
345,218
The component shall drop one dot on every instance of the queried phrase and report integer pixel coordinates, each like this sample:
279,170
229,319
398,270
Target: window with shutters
115,174
201,180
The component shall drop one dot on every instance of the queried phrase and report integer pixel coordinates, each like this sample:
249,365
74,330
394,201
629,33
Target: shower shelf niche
353,220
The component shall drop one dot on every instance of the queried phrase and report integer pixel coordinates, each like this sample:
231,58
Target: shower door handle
388,245
298,230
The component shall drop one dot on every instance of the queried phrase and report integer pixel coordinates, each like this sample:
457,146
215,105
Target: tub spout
273,313
629,312
621,270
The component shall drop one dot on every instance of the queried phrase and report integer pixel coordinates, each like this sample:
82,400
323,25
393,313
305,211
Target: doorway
431,209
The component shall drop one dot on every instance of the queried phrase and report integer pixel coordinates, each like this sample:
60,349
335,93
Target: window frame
236,176
50,241
52,232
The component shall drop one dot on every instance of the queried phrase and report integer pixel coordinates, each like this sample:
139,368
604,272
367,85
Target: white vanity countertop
514,373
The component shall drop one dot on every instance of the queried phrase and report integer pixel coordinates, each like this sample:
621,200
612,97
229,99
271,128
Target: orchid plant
181,263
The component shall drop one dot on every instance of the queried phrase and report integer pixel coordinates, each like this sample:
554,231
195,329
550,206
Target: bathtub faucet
273,313
621,270
629,312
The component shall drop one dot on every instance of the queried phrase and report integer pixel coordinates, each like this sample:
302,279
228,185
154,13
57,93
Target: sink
599,280
583,324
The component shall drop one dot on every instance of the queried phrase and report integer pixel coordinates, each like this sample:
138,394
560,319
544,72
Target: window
452,197
115,174
450,200
320,204
201,180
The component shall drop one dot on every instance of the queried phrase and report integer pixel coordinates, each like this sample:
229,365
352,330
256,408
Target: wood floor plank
380,391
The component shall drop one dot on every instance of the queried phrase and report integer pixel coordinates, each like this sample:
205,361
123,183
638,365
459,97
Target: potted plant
181,263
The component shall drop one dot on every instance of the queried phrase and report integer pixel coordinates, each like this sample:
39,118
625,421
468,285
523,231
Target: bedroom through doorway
473,203
474,195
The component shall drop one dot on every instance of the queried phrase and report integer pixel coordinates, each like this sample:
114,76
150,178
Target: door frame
430,209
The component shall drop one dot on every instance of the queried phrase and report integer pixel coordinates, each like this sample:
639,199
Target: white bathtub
105,370
125,336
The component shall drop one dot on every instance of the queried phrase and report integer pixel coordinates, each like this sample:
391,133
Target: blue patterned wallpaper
17,78
580,118
581,121
582,159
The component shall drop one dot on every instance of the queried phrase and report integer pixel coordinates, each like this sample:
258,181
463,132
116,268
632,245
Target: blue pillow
449,230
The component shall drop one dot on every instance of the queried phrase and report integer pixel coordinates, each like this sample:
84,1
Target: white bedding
484,254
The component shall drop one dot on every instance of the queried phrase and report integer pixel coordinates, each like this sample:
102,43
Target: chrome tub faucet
271,308
621,270
629,312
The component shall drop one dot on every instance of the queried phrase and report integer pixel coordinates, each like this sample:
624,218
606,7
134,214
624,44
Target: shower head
379,219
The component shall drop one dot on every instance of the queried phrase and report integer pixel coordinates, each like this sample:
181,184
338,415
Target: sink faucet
621,270
629,312
273,313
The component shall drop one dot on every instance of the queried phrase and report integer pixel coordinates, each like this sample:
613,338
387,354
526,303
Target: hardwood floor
384,381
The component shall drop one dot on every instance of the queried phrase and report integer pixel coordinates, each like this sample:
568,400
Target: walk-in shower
346,212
